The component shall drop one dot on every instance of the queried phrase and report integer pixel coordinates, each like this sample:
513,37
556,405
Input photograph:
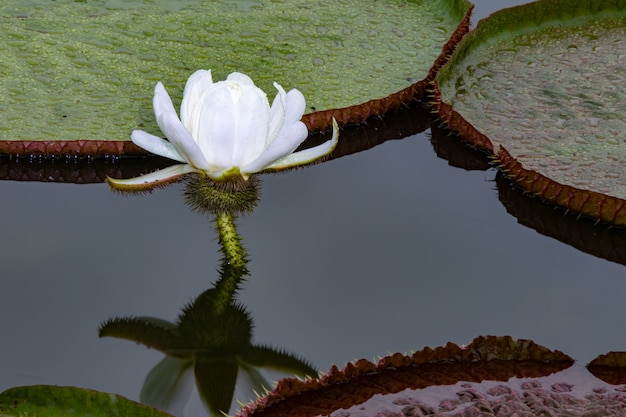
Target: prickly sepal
236,196
150,182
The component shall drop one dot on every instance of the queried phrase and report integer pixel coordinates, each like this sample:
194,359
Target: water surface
382,251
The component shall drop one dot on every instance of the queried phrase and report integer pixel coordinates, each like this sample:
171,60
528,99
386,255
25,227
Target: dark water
387,250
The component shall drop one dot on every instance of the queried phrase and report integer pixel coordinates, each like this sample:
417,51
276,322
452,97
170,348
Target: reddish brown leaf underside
486,357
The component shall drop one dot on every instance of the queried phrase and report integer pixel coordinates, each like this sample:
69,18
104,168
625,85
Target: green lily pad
86,70
48,401
543,87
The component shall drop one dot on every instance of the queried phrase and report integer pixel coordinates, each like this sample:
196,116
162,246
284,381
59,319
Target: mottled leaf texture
542,87
49,401
77,75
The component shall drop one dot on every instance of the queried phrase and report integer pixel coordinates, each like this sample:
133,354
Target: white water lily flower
227,129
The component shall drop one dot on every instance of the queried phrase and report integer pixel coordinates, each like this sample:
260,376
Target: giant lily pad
543,87
85,71
450,380
490,376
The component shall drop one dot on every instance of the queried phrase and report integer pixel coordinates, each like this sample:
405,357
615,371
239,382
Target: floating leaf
610,367
543,87
86,70
48,401
486,358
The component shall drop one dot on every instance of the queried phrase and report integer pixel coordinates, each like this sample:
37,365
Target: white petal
145,182
252,380
284,144
216,126
277,113
155,145
296,104
308,155
168,384
182,140
195,407
252,114
199,82
173,129
240,78
161,102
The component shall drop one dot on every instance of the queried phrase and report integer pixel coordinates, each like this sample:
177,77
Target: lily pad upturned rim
606,208
535,360
585,202
396,125
316,121
609,367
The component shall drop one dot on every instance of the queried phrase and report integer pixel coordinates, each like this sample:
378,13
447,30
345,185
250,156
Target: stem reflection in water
213,334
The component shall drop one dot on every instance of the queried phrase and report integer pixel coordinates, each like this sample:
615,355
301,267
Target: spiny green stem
234,261
230,240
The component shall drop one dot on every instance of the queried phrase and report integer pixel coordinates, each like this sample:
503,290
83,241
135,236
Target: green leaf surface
547,82
48,401
74,70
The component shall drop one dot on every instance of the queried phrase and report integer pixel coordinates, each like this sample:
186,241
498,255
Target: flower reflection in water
213,335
